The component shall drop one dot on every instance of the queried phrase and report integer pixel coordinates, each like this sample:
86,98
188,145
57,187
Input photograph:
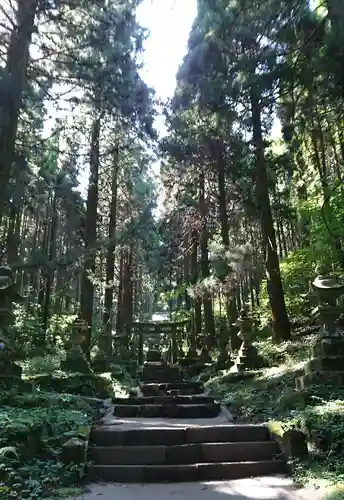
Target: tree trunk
127,297
119,322
49,280
280,320
207,303
197,327
231,305
87,287
14,82
13,236
44,251
110,260
187,271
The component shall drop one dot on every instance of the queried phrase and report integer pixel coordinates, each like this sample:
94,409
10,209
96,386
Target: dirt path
266,488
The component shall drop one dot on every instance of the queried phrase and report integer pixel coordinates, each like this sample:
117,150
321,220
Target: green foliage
297,271
59,327
93,385
42,364
285,353
26,331
336,493
33,428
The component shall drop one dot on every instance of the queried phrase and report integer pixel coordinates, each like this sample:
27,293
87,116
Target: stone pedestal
326,364
248,358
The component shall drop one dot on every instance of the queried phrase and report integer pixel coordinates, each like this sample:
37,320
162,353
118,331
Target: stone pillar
327,354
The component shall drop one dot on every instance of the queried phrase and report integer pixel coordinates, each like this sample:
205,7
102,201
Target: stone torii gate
157,331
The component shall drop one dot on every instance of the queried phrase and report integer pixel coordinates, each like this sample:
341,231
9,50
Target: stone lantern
327,355
75,357
248,358
205,357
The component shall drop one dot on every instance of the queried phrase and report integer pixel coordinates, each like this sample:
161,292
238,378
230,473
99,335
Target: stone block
237,470
119,473
209,410
154,437
172,411
154,355
128,455
325,348
295,444
183,454
105,436
239,452
212,409
226,433
126,411
170,473
320,378
150,411
333,363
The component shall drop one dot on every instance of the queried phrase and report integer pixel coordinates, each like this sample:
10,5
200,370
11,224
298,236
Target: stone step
158,366
168,436
161,373
184,454
186,388
160,400
191,472
208,410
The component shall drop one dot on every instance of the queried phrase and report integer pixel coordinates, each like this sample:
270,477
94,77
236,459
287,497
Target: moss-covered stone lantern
248,358
327,354
76,361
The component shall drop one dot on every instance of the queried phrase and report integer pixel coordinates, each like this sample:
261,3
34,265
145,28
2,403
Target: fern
8,452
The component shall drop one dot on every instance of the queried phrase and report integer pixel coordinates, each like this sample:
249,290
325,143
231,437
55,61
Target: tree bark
280,320
197,327
110,260
49,280
231,305
16,66
207,303
119,322
87,287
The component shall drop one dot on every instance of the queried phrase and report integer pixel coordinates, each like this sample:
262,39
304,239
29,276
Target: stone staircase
145,442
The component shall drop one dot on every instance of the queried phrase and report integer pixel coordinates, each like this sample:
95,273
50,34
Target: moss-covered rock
292,441
74,451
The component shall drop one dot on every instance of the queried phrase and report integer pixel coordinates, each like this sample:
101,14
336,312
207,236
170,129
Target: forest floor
271,395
